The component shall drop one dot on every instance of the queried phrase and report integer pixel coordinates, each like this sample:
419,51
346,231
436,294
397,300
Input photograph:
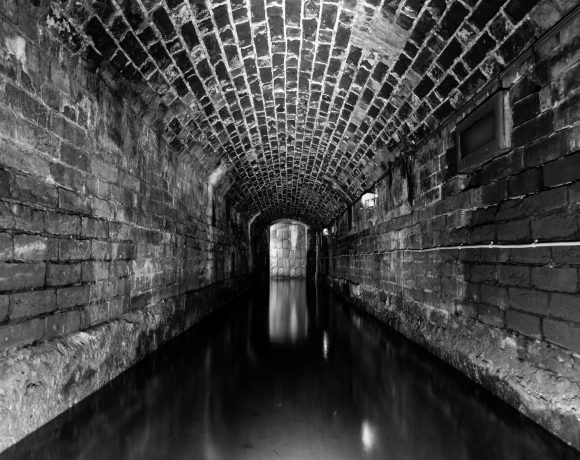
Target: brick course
281,92
100,218
528,295
139,138
91,206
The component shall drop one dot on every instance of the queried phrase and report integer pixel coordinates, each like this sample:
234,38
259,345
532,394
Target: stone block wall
111,242
288,248
508,317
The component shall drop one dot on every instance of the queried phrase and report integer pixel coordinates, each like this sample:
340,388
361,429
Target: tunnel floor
291,372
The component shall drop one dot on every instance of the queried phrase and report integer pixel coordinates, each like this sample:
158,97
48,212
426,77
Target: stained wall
505,314
111,241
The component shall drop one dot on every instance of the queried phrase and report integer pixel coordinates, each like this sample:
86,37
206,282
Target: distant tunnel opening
288,249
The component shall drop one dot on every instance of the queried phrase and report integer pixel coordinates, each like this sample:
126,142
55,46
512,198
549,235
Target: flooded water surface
291,372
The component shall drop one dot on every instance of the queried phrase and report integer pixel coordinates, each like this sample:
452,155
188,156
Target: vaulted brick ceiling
291,101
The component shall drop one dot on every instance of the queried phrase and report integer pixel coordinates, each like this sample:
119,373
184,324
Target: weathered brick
489,314
33,303
118,306
6,247
35,248
35,191
533,129
514,275
563,334
517,9
484,12
529,300
94,271
453,17
555,279
525,86
565,307
103,250
4,304
15,276
19,334
526,109
511,210
485,43
494,295
494,193
566,255
23,218
555,226
94,228
514,231
564,170
517,41
465,308
70,297
63,224
60,324
74,157
546,149
26,105
71,201
524,183
63,274
523,323
545,202
530,256
94,313
74,250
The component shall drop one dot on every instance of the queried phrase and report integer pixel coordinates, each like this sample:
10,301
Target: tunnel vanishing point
429,148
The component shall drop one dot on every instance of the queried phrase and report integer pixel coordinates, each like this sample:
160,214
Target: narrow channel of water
291,373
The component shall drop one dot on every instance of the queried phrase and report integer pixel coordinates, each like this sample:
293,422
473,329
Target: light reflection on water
288,315
291,375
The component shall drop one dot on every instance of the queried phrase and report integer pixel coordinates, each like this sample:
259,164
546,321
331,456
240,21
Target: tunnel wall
509,318
111,243
260,247
288,250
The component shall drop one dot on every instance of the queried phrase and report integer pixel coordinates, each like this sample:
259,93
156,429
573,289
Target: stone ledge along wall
110,242
509,318
288,247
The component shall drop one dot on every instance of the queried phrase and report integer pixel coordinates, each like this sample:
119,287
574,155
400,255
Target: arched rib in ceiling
296,98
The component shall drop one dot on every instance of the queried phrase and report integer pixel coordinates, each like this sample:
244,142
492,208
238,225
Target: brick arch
290,92
323,202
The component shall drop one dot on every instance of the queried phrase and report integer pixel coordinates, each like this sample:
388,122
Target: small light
368,436
325,345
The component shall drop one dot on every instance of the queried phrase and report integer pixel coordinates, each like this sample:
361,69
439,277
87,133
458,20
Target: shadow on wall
288,249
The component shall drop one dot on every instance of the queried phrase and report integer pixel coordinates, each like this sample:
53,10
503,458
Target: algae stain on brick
377,34
16,46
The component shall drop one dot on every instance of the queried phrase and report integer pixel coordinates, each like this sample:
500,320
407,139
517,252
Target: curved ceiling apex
300,102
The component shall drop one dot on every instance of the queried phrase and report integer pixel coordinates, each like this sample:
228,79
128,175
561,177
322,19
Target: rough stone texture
111,240
144,143
506,317
38,383
301,102
288,249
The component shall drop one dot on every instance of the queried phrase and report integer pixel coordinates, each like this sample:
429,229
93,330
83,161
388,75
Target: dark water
293,375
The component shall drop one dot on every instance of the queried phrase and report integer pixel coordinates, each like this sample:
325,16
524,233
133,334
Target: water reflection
298,377
288,315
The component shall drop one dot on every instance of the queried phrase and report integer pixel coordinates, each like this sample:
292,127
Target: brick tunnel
428,151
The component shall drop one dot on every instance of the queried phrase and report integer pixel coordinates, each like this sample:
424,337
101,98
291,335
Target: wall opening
288,249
